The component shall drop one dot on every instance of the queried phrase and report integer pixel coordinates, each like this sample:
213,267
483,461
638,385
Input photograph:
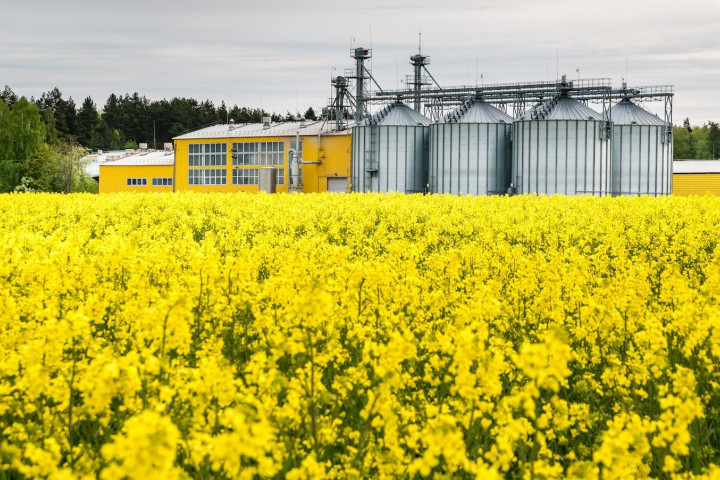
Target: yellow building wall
333,151
335,154
696,183
113,178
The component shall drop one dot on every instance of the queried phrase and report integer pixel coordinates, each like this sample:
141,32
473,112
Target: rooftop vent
143,146
167,146
266,122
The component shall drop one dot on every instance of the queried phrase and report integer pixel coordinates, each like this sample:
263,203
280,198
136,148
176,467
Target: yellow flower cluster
353,336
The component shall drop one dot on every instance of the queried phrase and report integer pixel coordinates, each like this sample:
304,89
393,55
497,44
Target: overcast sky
280,55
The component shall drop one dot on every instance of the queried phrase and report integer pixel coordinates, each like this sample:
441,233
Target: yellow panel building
227,158
147,171
696,177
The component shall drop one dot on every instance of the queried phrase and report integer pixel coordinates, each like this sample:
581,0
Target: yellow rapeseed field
353,336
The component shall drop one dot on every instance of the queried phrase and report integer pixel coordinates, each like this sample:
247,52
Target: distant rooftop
309,127
158,157
696,166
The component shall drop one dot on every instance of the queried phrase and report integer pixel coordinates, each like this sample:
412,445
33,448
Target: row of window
240,176
243,154
156,182
136,182
207,155
258,153
210,176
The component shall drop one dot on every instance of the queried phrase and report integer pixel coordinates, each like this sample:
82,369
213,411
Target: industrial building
144,171
580,137
696,177
228,158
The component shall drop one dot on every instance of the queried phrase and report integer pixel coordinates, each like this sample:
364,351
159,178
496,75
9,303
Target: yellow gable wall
113,178
333,152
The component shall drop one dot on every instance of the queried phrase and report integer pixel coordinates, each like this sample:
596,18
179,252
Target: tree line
696,143
127,120
42,140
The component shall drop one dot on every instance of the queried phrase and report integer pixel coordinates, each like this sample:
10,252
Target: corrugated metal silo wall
390,158
357,182
470,158
567,157
641,160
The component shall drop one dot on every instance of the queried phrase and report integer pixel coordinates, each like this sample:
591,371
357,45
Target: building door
337,184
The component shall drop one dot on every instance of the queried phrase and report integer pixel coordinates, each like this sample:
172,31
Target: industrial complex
580,137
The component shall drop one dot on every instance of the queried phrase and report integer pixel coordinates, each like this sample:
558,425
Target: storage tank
642,151
561,146
389,151
471,150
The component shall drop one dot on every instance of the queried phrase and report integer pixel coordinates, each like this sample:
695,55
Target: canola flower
353,336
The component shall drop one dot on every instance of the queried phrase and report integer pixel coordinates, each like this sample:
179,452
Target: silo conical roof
476,111
627,113
396,114
561,108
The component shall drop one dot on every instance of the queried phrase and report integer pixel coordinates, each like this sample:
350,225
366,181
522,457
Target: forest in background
42,141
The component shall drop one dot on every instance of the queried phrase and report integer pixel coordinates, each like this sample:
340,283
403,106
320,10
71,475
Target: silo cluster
560,146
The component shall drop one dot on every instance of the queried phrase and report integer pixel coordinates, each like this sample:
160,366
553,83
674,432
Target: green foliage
21,130
134,118
40,170
88,121
10,175
57,168
310,114
70,168
693,142
8,96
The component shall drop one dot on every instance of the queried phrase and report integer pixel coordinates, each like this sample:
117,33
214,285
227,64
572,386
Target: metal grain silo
470,150
642,151
389,151
561,146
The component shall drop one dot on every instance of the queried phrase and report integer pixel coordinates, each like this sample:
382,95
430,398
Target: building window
136,182
245,176
208,176
258,154
162,182
250,176
207,155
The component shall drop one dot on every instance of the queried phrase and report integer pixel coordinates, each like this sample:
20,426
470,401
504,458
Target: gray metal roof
627,113
476,111
696,166
259,130
561,108
143,158
397,114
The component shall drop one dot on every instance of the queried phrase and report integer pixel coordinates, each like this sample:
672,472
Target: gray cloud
282,53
